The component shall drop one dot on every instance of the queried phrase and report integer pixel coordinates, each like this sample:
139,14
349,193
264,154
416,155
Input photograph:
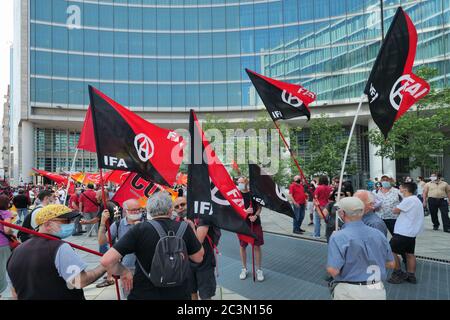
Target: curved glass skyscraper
171,55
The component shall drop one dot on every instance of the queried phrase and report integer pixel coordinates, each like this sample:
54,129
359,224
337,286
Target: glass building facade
172,55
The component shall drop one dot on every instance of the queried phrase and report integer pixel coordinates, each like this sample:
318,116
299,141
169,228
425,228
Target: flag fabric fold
124,141
392,88
211,193
267,193
283,100
52,176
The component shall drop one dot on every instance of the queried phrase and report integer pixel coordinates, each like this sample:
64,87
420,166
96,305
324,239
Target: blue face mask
386,184
66,230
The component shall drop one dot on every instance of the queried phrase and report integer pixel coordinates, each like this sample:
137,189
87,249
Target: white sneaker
259,275
243,274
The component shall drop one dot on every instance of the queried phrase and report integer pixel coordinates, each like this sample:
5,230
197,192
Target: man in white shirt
408,225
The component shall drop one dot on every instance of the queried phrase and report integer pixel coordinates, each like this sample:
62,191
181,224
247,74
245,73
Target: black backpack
170,262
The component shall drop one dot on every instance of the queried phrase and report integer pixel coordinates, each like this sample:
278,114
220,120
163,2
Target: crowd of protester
377,227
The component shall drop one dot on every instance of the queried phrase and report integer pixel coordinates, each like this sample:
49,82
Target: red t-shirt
322,194
88,205
74,198
297,192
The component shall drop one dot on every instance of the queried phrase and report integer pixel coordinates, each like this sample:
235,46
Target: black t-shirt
141,240
21,201
209,260
23,236
255,205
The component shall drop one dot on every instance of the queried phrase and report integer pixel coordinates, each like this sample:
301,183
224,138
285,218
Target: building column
377,165
27,152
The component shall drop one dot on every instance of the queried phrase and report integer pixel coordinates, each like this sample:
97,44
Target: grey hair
159,204
354,213
370,195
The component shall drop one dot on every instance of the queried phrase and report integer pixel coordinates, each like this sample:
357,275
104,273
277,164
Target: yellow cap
54,211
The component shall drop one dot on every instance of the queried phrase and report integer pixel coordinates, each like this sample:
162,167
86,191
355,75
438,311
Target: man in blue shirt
358,256
370,218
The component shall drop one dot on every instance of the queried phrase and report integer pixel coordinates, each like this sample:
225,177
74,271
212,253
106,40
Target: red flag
87,141
212,195
135,187
235,167
127,142
116,176
52,176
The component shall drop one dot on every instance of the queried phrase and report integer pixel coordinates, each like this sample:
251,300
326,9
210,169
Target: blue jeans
316,224
299,215
21,213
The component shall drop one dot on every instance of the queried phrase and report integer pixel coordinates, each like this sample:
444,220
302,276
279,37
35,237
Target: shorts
203,282
402,244
259,241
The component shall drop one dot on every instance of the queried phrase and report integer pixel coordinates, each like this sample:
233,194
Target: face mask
433,178
298,181
386,184
241,186
134,217
66,230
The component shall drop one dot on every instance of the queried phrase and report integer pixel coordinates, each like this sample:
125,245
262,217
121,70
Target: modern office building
163,57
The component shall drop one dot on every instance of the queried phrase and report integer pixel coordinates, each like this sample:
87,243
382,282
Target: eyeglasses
135,210
181,205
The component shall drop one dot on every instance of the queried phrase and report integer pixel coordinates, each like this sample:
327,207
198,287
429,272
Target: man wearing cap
42,269
358,256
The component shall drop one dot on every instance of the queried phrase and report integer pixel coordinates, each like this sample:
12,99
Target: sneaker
297,232
311,224
398,277
259,275
301,230
243,274
411,278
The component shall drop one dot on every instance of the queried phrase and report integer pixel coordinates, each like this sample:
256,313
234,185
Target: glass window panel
219,43
191,19
233,69
220,69
178,96
60,64
43,36
192,70
206,95
177,19
43,11
135,43
91,67
106,42
234,94
306,10
121,94
164,70
191,44
76,66
276,13
247,41
121,69
106,16
220,95
233,42
204,19
60,92
177,44
43,90
135,69
163,16
149,20
205,43
150,70
218,18
60,38
76,92
276,38
261,15
121,42
163,44
206,67
178,71
106,68
149,43
107,88
232,16
90,14
135,18
120,17
192,96
246,16
43,63
164,96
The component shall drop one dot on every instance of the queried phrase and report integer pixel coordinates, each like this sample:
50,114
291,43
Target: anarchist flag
211,193
266,192
124,141
283,100
392,88
135,187
59,179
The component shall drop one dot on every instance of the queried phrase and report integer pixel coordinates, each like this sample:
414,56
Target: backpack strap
158,228
181,229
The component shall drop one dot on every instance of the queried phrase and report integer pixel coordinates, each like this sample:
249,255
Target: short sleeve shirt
438,190
389,201
410,221
371,219
297,192
4,214
117,233
68,263
141,240
360,253
322,193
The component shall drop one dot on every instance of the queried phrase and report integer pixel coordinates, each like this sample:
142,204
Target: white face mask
135,217
242,187
433,178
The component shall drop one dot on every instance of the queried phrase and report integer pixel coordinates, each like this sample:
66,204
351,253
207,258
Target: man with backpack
133,216
163,248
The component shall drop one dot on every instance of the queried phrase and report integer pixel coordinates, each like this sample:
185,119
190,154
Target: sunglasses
181,205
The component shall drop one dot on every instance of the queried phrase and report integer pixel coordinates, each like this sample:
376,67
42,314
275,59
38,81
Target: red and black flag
211,193
135,187
266,192
283,100
392,88
124,141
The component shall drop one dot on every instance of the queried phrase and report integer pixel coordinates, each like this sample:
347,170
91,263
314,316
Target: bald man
179,208
370,218
133,214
